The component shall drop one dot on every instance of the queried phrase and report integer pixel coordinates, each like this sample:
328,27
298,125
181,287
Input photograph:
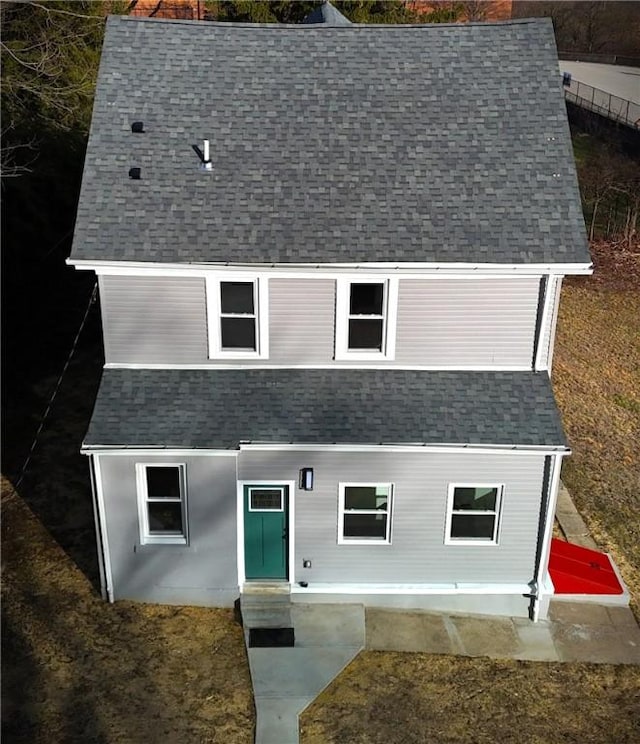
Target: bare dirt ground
392,698
76,669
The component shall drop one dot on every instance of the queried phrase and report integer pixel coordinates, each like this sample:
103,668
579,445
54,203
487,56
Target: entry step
266,587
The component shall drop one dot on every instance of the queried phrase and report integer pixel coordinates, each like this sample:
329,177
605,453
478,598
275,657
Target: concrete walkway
286,680
574,631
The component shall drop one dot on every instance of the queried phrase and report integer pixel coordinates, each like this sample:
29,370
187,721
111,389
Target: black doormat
271,638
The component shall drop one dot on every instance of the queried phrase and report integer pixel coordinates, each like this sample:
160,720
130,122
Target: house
328,327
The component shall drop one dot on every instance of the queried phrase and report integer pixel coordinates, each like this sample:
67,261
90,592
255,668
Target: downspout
547,532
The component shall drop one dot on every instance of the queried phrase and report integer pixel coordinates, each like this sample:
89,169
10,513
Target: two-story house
328,328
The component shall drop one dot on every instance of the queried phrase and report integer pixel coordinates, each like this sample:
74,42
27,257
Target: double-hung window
473,513
162,505
237,317
364,513
366,319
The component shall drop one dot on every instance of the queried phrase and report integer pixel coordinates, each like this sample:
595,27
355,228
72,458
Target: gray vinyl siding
466,322
204,571
417,553
441,322
153,320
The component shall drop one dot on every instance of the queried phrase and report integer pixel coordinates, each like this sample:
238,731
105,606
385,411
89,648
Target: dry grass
395,698
76,669
597,384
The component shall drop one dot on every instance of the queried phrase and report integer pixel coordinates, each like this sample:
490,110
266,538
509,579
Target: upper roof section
343,144
328,15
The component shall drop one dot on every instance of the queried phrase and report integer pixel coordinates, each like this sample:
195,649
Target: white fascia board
128,450
214,365
305,271
492,449
453,588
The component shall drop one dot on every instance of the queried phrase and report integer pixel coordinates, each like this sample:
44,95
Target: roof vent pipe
205,160
137,127
134,173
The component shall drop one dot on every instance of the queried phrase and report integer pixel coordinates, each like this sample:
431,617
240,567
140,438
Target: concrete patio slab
407,631
599,644
578,613
328,625
536,641
495,637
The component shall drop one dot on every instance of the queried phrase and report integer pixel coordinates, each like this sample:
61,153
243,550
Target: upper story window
366,319
237,309
162,503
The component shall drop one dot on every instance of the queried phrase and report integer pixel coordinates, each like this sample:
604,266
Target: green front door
265,531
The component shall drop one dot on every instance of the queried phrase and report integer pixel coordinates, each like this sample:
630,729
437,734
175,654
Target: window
365,319
364,513
237,317
162,504
473,513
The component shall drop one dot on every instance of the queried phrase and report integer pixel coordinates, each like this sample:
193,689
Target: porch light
306,479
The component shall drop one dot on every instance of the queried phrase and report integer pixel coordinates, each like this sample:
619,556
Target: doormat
271,638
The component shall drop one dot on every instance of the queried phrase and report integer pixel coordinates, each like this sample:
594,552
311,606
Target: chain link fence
613,107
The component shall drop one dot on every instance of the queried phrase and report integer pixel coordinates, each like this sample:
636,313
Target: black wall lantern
306,479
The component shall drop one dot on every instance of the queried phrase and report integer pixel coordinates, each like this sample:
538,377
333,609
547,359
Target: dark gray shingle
220,408
330,144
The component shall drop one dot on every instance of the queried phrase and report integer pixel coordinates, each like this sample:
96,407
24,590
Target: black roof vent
134,173
137,127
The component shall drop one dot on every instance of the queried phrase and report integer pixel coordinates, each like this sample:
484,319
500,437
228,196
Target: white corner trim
97,470
542,352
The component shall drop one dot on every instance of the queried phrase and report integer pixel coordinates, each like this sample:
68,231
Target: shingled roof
221,408
330,144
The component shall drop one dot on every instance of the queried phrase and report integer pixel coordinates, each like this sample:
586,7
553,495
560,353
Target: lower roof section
219,409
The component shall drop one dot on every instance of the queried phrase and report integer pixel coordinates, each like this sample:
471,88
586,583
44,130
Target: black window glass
163,483
475,499
366,525
165,517
366,299
269,499
365,334
470,525
238,333
365,497
236,297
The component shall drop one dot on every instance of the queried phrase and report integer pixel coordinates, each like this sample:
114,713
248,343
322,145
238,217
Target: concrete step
262,588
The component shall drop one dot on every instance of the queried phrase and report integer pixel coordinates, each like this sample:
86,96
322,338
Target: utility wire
57,387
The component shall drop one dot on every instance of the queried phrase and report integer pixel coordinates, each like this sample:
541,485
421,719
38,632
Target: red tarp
578,570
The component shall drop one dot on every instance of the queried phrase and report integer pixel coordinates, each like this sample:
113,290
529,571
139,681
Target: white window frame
146,537
389,320
342,540
214,315
497,513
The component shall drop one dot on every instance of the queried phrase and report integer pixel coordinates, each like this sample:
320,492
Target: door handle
285,533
